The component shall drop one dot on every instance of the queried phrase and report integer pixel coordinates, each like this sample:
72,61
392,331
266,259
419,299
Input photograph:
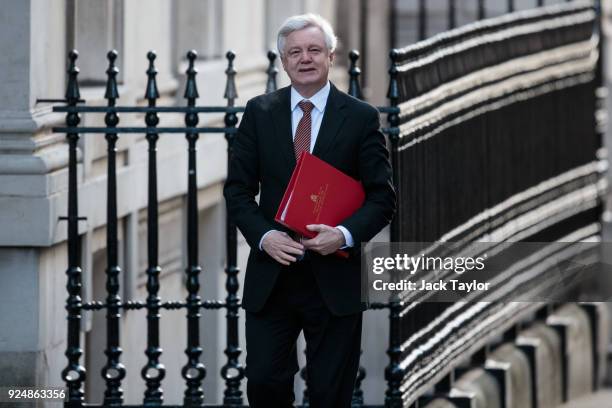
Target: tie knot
306,106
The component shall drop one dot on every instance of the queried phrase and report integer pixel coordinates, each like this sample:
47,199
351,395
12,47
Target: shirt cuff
348,238
262,238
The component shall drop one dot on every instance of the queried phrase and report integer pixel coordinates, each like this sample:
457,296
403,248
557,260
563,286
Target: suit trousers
333,345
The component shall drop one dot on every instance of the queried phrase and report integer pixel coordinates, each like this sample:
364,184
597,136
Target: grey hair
296,23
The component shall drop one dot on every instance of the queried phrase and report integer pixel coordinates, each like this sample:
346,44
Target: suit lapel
282,127
333,118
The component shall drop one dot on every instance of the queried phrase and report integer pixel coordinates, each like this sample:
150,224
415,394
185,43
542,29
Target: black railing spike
193,371
151,92
112,91
272,71
393,119
230,72
74,373
153,372
72,89
393,90
113,371
191,88
394,372
354,74
232,371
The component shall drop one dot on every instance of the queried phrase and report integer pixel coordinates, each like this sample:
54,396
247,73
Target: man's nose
305,57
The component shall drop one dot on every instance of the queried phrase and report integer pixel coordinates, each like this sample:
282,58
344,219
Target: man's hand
281,247
327,241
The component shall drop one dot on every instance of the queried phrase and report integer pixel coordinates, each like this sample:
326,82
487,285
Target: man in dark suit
292,284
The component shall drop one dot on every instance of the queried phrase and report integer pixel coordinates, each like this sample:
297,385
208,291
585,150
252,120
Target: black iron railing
154,371
482,11
497,141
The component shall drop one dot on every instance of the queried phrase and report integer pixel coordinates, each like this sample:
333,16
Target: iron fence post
232,372
193,371
74,373
113,372
153,372
393,372
355,91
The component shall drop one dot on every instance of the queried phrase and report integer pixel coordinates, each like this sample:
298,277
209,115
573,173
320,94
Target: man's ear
332,56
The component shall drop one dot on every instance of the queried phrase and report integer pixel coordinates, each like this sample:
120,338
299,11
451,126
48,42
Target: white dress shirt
319,100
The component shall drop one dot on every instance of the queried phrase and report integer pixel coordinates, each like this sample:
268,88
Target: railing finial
191,88
272,71
72,89
151,93
230,87
112,91
393,91
354,73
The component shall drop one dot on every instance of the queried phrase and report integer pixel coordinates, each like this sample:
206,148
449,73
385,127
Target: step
599,399
511,368
543,345
482,387
574,325
440,403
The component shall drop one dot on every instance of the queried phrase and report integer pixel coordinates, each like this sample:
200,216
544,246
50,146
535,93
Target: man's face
306,58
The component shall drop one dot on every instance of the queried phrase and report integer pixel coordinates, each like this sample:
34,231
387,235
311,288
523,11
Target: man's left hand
327,241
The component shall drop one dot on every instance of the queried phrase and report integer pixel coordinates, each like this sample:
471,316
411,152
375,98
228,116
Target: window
276,12
93,28
199,26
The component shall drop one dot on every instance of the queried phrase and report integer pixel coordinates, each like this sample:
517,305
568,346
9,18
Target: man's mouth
306,70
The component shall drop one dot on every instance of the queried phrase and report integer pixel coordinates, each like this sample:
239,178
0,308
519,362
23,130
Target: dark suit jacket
263,159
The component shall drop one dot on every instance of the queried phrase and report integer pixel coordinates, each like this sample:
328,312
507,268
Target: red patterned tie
301,142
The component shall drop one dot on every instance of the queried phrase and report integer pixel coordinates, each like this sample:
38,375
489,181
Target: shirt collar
319,100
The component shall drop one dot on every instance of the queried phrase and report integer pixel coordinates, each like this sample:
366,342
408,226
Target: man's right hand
281,247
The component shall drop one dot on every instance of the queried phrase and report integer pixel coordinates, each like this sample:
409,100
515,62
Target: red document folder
318,193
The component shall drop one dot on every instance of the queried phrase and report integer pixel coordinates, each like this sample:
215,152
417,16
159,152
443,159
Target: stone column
32,42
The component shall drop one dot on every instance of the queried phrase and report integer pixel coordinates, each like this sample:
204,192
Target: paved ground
601,399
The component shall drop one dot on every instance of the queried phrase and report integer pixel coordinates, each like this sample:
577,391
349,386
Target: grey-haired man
293,286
